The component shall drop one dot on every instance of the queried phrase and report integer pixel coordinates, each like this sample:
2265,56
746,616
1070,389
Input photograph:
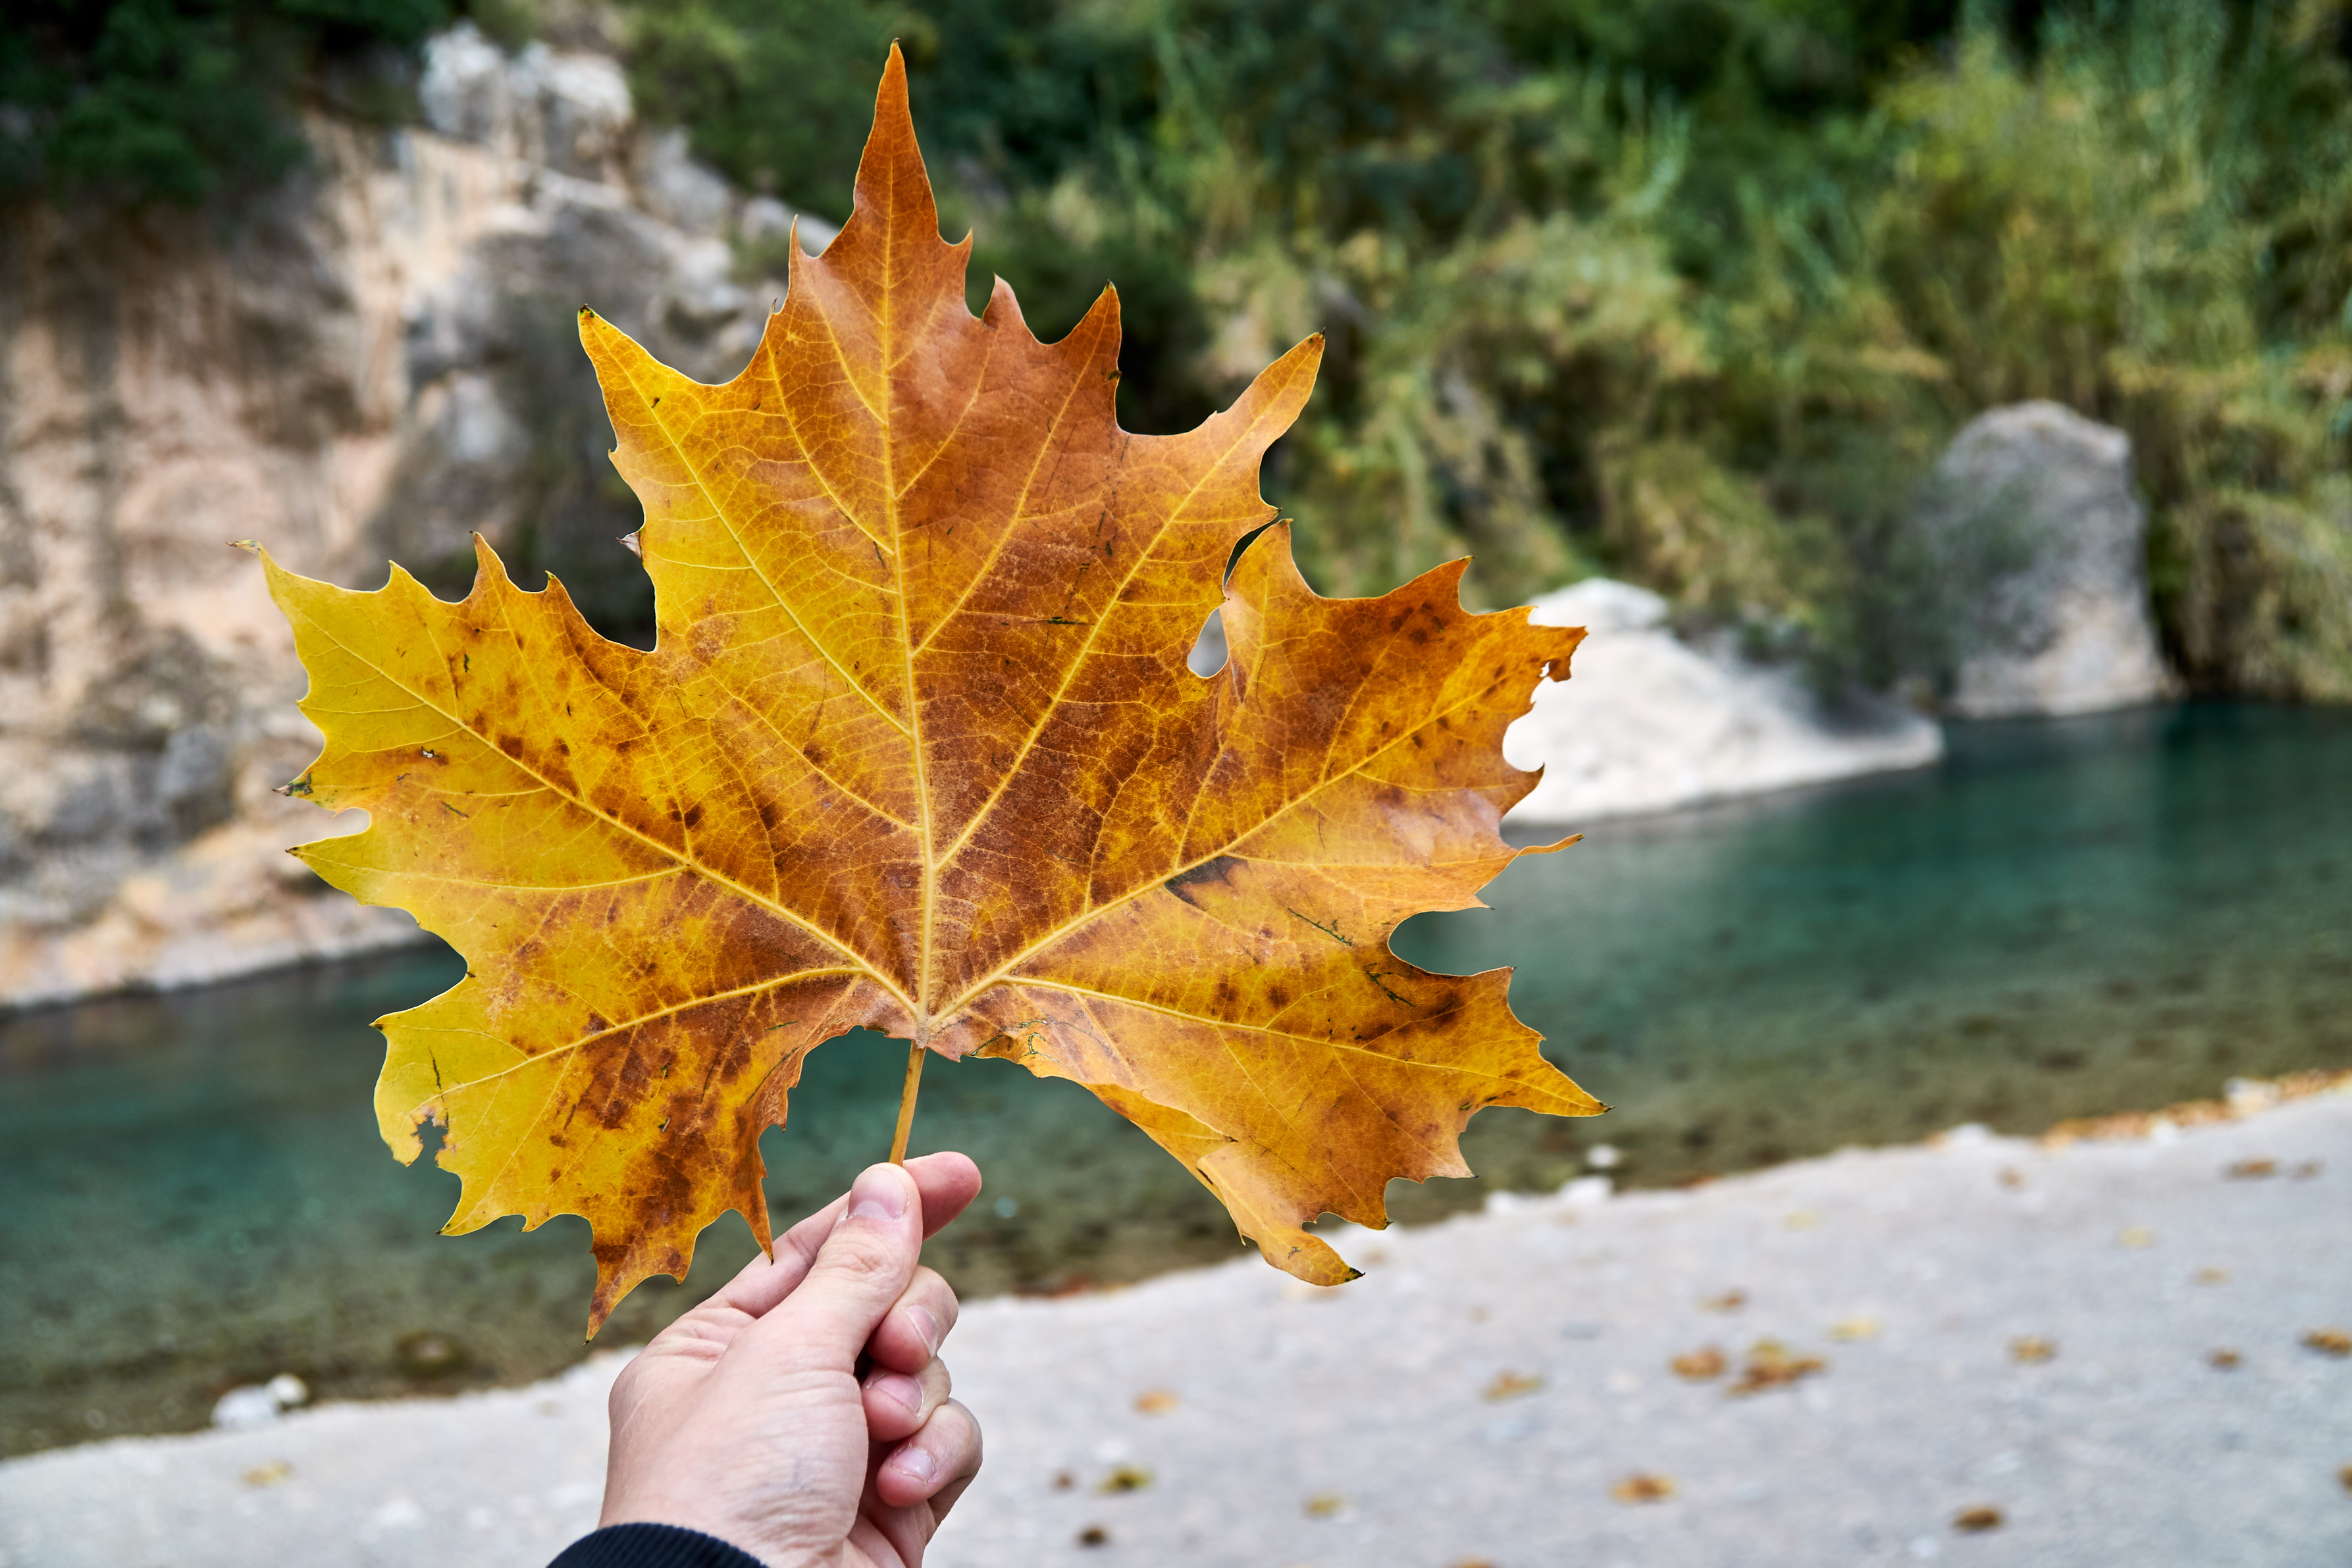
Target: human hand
802,1412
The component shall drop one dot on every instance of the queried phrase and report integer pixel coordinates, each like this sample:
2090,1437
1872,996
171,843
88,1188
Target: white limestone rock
2068,632
1647,722
562,108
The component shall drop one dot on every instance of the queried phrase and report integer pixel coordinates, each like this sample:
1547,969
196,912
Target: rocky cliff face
2066,629
373,365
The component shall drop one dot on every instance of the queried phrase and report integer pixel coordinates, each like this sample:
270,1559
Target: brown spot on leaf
1216,871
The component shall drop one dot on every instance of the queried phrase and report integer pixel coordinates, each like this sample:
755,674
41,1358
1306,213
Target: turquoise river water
2061,919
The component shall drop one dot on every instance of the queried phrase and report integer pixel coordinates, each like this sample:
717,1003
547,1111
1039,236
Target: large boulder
2064,625
374,363
1647,722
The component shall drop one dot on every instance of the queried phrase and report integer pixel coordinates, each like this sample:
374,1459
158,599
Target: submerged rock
376,360
1648,721
2065,629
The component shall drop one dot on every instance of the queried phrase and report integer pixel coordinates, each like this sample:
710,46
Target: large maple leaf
917,749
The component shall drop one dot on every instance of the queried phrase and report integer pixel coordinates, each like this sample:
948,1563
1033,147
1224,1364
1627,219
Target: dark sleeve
652,1546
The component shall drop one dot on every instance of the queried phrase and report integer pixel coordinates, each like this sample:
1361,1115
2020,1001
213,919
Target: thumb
859,1273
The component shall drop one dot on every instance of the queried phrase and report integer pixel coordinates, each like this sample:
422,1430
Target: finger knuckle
964,1431
860,1257
938,1298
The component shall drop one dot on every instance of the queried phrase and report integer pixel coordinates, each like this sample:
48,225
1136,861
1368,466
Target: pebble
258,1404
244,1407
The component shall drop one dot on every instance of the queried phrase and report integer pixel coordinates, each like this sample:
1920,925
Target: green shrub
2147,225
1694,291
179,101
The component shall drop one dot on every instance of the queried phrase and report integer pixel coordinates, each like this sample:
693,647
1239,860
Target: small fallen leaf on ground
2224,1360
2249,1170
1700,1364
1323,1505
1155,1402
1858,1328
2032,1350
2010,1176
1771,1364
1643,1488
2308,1169
2344,1474
2136,1236
1977,1519
1511,1385
268,1475
1803,1219
1064,1480
2329,1342
2211,1276
1094,1535
1126,1478
1728,1301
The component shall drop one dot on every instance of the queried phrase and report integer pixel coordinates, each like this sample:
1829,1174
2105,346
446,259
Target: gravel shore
1980,1350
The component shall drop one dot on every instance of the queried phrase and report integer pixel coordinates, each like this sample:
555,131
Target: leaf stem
914,1055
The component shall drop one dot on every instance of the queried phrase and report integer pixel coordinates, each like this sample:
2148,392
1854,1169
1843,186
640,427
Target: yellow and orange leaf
917,750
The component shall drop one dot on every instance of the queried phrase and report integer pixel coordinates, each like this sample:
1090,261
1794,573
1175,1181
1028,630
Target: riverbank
2026,1336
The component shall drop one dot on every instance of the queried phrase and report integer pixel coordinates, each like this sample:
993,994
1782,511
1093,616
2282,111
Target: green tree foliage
176,101
2150,224
1693,291
1686,290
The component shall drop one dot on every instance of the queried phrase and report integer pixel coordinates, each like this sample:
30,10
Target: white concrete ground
1478,1396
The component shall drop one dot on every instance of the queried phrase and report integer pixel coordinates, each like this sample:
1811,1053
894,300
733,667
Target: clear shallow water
2065,917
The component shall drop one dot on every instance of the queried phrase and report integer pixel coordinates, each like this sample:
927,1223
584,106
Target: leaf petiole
914,1055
